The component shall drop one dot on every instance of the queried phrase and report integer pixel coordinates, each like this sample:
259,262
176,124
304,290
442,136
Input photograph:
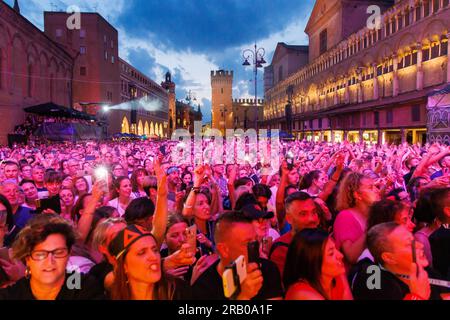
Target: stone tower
170,87
222,99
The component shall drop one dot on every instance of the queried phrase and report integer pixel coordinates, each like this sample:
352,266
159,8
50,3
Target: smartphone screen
191,238
414,256
253,252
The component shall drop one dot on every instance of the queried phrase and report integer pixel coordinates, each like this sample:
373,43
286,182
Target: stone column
403,133
361,136
346,92
345,137
360,86
419,84
380,137
395,88
376,93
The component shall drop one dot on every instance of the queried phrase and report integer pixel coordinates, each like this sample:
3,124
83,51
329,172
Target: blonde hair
345,198
99,237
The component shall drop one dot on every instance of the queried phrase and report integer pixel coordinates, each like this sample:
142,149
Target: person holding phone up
401,271
232,235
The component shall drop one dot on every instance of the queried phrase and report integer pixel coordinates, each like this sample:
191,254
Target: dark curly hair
37,230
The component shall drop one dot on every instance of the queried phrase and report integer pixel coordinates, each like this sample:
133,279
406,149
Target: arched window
140,128
125,125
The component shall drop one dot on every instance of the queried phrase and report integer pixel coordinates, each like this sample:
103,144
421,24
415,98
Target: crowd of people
340,222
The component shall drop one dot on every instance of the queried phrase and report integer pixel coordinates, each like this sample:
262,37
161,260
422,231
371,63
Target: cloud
192,37
190,70
33,9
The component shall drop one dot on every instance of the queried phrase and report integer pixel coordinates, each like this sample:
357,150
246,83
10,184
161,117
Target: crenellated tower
222,99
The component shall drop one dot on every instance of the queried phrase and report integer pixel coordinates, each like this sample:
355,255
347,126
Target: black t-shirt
391,287
440,250
89,290
209,285
100,271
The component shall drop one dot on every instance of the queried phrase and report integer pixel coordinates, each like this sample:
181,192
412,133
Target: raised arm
280,193
85,222
426,161
230,185
161,210
329,186
188,208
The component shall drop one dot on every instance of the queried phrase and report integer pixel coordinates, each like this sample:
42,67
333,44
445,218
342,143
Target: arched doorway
146,129
140,128
125,125
152,129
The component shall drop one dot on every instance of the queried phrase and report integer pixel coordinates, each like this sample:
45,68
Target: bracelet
187,207
196,189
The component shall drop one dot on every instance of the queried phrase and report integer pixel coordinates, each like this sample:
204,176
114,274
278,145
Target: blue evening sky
192,37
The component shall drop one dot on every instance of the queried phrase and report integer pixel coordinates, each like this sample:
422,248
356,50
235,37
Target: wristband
196,190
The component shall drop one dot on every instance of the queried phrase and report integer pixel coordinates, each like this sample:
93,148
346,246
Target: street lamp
256,57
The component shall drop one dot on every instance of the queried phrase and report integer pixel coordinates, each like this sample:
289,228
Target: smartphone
53,203
191,237
414,256
89,158
290,160
234,276
267,245
253,252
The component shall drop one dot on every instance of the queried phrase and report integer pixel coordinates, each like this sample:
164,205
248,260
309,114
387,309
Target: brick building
33,69
135,103
365,83
96,64
186,115
228,113
148,112
244,113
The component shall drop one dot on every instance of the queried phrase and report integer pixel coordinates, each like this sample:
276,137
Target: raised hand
418,282
252,284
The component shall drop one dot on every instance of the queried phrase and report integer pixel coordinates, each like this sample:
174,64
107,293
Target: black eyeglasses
40,255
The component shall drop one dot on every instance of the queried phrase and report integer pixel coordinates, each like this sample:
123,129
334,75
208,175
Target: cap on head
125,239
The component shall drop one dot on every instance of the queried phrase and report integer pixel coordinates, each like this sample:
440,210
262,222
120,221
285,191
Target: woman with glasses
44,246
117,170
